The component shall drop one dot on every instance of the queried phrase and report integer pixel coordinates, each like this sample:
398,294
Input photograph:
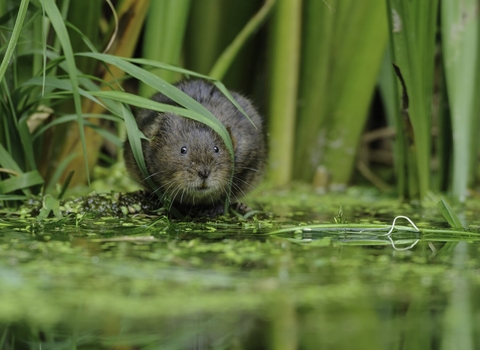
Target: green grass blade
166,66
205,23
163,37
361,28
58,24
449,215
71,118
228,95
65,185
21,182
134,136
61,84
84,16
284,67
413,30
230,53
27,144
189,73
12,197
60,169
22,11
315,69
143,102
460,29
107,135
389,93
7,161
168,90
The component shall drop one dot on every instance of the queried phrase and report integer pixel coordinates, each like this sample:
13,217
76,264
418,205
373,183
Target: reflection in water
459,315
121,286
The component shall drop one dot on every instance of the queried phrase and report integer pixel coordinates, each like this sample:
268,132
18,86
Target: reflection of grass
80,282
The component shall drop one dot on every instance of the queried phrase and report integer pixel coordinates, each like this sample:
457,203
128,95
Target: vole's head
189,162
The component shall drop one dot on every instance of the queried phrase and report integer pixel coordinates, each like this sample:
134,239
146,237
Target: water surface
139,282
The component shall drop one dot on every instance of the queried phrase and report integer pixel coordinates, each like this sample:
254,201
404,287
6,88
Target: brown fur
200,177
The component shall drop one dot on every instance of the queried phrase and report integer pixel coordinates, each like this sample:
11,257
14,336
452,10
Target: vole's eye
215,149
183,150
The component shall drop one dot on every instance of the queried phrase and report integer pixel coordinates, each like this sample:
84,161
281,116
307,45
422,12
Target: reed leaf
313,87
58,24
412,28
163,37
7,161
142,102
284,53
203,35
460,29
22,181
204,44
131,14
168,90
449,215
225,60
22,11
335,96
84,35
355,73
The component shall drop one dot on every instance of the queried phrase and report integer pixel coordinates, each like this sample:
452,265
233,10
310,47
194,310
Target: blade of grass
460,29
84,15
459,317
69,118
230,53
22,11
356,69
134,136
313,89
189,73
412,29
168,90
7,161
59,170
202,40
361,28
389,93
163,37
62,34
284,53
23,181
131,16
143,102
11,197
65,185
449,215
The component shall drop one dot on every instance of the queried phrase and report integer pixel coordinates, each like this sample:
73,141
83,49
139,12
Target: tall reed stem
460,27
285,41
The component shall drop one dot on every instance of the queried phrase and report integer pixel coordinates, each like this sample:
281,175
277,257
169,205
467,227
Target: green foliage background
328,75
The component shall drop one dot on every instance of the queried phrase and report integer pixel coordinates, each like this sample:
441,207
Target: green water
138,282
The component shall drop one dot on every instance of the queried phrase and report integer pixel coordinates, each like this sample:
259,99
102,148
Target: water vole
188,161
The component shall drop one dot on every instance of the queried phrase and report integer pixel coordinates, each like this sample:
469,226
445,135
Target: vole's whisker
245,168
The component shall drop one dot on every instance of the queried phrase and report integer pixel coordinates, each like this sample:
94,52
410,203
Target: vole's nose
204,173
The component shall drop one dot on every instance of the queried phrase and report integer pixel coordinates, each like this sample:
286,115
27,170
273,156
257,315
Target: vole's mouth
203,187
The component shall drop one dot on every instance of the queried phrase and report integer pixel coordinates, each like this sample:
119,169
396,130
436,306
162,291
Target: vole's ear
234,140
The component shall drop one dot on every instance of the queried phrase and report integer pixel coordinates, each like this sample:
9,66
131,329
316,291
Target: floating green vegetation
141,279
